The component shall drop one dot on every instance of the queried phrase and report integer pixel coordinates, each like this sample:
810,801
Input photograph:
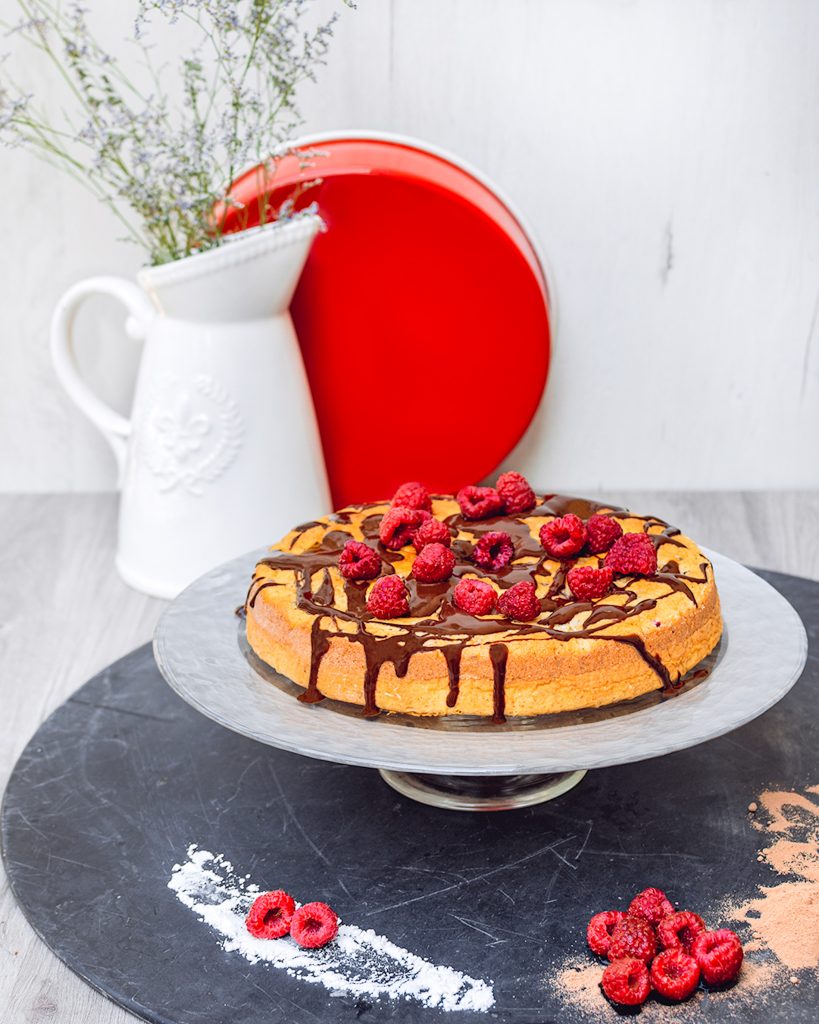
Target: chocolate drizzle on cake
440,625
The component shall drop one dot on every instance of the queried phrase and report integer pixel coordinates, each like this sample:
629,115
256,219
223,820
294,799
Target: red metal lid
423,314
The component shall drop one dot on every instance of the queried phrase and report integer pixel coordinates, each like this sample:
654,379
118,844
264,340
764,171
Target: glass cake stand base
481,792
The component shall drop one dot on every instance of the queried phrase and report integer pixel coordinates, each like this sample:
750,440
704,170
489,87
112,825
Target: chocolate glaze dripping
452,656
319,645
441,620
498,653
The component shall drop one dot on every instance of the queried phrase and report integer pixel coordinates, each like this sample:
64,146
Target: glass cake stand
466,763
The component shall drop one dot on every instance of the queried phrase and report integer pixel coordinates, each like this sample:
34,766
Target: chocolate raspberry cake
494,602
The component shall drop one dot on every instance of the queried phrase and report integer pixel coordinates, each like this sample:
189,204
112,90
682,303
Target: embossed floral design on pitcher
189,437
221,453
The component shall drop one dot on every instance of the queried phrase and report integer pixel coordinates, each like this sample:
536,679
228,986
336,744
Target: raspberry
651,905
433,531
719,955
520,602
358,561
632,554
387,598
412,495
314,925
434,564
674,974
479,502
588,583
515,492
475,597
270,916
493,551
633,937
399,525
626,982
678,930
598,933
563,538
602,532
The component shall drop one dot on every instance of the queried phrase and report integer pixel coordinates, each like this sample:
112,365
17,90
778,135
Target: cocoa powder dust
784,917
779,925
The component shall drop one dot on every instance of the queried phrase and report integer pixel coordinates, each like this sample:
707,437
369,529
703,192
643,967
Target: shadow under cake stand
466,763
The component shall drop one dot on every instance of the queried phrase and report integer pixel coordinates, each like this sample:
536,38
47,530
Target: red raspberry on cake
633,554
433,531
678,930
493,551
633,937
651,905
388,598
563,537
399,526
475,597
674,974
479,502
433,564
719,955
520,602
516,493
598,933
412,495
588,583
271,915
626,982
314,925
602,532
358,561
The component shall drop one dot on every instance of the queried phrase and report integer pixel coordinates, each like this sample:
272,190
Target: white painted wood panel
667,156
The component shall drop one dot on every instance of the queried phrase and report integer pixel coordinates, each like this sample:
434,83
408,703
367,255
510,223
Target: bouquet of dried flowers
161,143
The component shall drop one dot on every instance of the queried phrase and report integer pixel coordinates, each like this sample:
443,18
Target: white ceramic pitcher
221,453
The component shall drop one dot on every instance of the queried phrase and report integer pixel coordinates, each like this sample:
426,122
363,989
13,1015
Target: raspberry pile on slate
652,947
274,915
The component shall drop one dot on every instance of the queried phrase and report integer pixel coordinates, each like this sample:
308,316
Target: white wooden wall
667,155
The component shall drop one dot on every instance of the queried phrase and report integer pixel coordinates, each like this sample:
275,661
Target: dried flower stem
166,168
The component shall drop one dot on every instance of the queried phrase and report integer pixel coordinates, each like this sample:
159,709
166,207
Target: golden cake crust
311,625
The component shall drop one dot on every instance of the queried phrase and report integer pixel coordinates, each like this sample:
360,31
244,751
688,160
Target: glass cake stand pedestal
481,792
471,764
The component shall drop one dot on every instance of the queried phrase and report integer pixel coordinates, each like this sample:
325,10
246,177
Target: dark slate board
121,778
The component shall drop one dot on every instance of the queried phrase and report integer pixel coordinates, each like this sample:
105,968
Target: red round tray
422,313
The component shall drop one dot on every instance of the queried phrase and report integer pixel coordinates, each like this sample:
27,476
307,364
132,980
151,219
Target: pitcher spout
252,275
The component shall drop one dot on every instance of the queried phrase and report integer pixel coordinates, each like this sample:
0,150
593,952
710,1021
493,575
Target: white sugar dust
358,962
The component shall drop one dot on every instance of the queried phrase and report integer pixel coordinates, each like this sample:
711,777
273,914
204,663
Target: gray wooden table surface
64,614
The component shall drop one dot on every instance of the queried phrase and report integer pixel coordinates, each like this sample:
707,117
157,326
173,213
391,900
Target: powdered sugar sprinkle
359,962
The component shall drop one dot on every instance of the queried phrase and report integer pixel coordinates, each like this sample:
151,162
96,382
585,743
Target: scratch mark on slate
439,874
579,853
267,992
32,826
563,860
674,855
471,924
537,940
478,878
238,786
120,711
295,819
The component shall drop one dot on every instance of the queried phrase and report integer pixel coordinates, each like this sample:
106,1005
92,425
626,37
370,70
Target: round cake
518,605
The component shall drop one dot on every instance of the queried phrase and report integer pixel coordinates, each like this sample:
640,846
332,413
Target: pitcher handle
114,427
